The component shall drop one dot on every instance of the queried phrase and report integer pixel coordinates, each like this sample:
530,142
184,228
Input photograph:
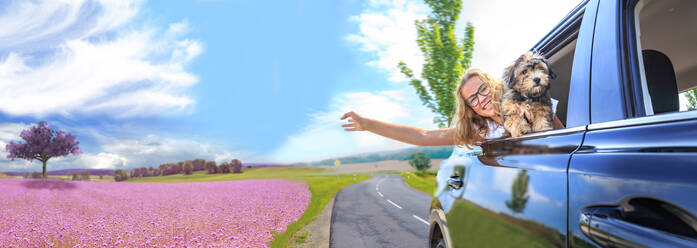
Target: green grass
425,181
322,186
302,237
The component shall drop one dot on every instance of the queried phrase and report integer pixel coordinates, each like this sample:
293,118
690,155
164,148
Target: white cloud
84,57
387,31
33,25
503,34
324,137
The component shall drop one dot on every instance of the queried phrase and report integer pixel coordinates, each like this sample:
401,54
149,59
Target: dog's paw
542,125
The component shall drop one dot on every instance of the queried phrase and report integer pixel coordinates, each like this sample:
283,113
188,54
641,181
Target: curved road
380,212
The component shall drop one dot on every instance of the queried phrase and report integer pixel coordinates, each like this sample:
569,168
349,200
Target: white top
495,131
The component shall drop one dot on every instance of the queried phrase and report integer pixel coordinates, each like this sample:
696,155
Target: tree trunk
44,170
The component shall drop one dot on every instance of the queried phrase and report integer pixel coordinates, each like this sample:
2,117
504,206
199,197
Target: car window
561,62
666,43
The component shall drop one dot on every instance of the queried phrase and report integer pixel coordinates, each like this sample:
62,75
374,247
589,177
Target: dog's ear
552,75
509,75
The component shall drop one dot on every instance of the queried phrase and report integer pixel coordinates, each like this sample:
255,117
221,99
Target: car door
633,182
513,192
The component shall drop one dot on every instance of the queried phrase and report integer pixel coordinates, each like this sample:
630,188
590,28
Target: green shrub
85,175
420,161
188,168
224,167
120,175
211,167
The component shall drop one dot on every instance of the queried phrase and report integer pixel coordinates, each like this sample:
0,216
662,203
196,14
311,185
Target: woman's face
484,106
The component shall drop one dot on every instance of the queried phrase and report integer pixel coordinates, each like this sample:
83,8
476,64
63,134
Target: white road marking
380,194
419,218
395,204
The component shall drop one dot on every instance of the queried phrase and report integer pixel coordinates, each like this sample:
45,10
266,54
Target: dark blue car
624,171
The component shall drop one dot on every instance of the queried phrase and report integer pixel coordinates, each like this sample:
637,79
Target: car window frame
631,63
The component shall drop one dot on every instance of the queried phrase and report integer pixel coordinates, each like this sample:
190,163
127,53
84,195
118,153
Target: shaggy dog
526,90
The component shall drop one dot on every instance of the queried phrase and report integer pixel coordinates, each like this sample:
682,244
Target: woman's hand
356,122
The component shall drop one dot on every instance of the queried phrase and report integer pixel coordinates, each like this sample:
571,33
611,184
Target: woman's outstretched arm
407,134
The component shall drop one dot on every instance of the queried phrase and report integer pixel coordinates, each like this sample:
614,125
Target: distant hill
433,152
94,172
262,165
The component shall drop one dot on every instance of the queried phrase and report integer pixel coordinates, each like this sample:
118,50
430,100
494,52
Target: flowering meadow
34,213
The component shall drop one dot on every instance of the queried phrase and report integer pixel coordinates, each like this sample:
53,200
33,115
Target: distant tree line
187,167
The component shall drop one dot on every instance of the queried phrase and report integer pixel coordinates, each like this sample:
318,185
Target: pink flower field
34,213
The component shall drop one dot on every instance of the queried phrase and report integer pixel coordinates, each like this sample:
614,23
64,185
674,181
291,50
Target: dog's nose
536,80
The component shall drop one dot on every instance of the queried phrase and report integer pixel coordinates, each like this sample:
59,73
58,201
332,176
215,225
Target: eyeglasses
473,100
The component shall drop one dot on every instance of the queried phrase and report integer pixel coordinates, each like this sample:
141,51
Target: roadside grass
424,181
302,237
322,186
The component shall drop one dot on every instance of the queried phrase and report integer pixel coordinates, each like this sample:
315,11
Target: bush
120,175
211,168
236,165
199,164
75,177
35,175
188,168
85,175
189,164
249,166
224,168
420,161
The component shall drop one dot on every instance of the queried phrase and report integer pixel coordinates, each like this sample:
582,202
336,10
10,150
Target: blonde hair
470,127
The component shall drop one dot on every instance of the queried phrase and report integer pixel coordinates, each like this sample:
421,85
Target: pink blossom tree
42,143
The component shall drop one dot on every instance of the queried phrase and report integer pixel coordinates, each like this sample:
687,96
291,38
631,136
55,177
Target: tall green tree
691,99
446,58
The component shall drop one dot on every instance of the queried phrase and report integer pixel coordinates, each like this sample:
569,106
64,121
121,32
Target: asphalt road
380,212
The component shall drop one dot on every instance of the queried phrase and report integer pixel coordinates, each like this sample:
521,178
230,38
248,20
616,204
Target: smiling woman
477,117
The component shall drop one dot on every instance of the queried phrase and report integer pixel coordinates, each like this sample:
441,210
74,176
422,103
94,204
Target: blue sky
142,83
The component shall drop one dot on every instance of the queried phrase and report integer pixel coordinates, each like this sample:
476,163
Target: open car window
665,37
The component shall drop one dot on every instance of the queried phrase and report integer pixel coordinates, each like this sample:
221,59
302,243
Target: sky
142,83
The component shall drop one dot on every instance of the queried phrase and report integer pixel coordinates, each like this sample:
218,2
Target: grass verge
424,181
322,186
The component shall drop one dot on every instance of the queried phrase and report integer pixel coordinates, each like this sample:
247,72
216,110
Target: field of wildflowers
34,213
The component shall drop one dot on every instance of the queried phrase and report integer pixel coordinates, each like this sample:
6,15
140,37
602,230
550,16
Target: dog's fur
523,94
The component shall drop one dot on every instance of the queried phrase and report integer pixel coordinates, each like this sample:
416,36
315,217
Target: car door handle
605,226
455,182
